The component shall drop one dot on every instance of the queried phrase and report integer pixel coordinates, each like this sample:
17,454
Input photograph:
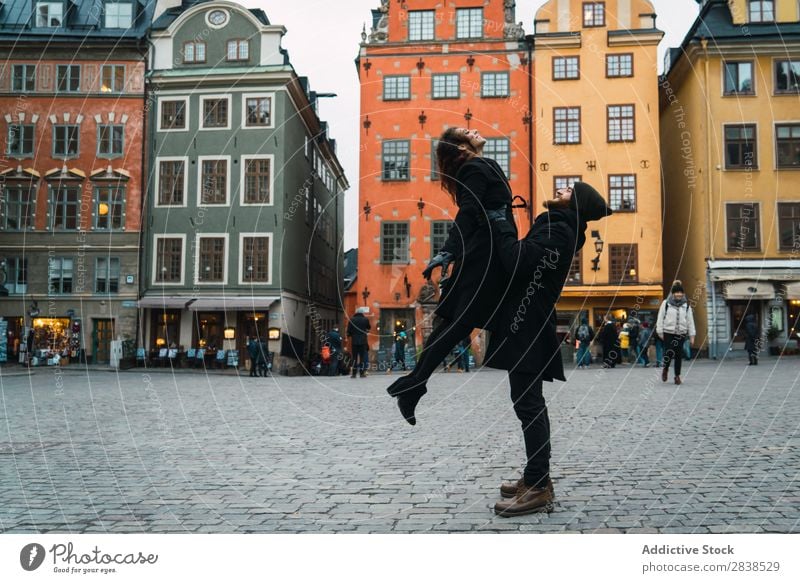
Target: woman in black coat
609,340
474,290
524,341
751,337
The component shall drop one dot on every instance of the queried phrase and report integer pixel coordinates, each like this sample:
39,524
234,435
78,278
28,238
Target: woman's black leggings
531,410
445,336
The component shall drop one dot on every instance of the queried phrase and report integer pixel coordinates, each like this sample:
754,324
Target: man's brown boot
527,501
664,373
677,379
510,489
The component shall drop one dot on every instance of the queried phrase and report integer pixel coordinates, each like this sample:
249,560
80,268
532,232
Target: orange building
426,66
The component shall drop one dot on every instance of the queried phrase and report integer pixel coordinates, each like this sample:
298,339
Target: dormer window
49,14
238,50
118,14
761,10
194,52
594,14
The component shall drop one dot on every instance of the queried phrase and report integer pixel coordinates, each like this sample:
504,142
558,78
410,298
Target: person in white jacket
675,322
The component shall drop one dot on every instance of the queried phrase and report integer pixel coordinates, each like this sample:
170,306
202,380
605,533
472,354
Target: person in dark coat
478,283
335,345
525,342
609,340
751,334
357,330
252,352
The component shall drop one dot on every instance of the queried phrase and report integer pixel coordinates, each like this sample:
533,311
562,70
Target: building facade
245,192
730,135
72,101
425,66
596,120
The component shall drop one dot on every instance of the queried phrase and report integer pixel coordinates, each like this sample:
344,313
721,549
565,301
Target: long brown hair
450,158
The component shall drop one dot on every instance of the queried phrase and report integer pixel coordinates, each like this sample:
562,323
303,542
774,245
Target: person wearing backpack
609,341
675,323
643,343
584,334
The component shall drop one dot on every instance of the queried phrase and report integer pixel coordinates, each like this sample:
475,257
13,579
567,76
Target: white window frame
50,4
201,109
243,163
117,5
186,110
225,258
245,97
159,159
271,238
156,237
200,160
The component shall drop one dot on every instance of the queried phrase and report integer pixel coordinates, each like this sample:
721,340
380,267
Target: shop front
53,341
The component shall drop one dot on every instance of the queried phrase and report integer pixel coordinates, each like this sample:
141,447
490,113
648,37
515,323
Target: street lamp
598,247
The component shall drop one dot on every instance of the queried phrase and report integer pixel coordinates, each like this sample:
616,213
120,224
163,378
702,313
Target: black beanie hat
677,286
589,203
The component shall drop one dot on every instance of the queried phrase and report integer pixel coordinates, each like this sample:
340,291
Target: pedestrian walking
400,342
609,341
643,345
463,356
357,330
478,283
659,350
585,335
751,336
675,323
252,352
263,364
335,356
634,329
625,340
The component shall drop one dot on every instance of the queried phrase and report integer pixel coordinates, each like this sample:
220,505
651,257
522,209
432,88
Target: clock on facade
217,17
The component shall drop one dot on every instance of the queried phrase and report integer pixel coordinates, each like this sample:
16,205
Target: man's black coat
357,329
524,339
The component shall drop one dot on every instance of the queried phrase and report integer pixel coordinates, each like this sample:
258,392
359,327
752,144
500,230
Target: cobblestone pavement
152,452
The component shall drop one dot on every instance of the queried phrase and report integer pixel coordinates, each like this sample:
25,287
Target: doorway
102,335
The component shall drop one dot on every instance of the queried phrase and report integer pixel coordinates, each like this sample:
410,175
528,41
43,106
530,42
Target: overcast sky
323,37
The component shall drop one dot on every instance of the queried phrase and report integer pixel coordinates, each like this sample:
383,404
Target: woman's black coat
751,333
478,281
525,339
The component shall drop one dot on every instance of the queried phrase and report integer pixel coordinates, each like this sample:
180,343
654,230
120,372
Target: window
106,275
396,157
622,192
567,122
24,78
761,10
109,207
113,79
65,140
215,113
446,86
560,182
118,14
594,14
494,84
18,207
20,140
68,78
194,52
619,65
439,232
59,275
258,111
566,68
787,76
787,144
17,282
65,204
789,226
396,87
49,14
110,140
257,180
394,242
498,149
214,181
575,275
211,256
469,22
238,50
434,160
740,147
171,182
743,226
621,123
624,264
169,260
739,78
420,24
173,115
255,259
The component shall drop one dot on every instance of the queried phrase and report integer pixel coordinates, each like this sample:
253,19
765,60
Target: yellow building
730,142
596,116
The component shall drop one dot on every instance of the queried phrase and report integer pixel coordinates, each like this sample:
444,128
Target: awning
234,303
793,290
753,275
163,302
749,290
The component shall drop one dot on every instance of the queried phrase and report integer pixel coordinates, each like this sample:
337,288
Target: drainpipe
712,353
710,207
529,43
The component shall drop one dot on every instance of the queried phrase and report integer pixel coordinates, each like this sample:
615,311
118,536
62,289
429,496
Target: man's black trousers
531,410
